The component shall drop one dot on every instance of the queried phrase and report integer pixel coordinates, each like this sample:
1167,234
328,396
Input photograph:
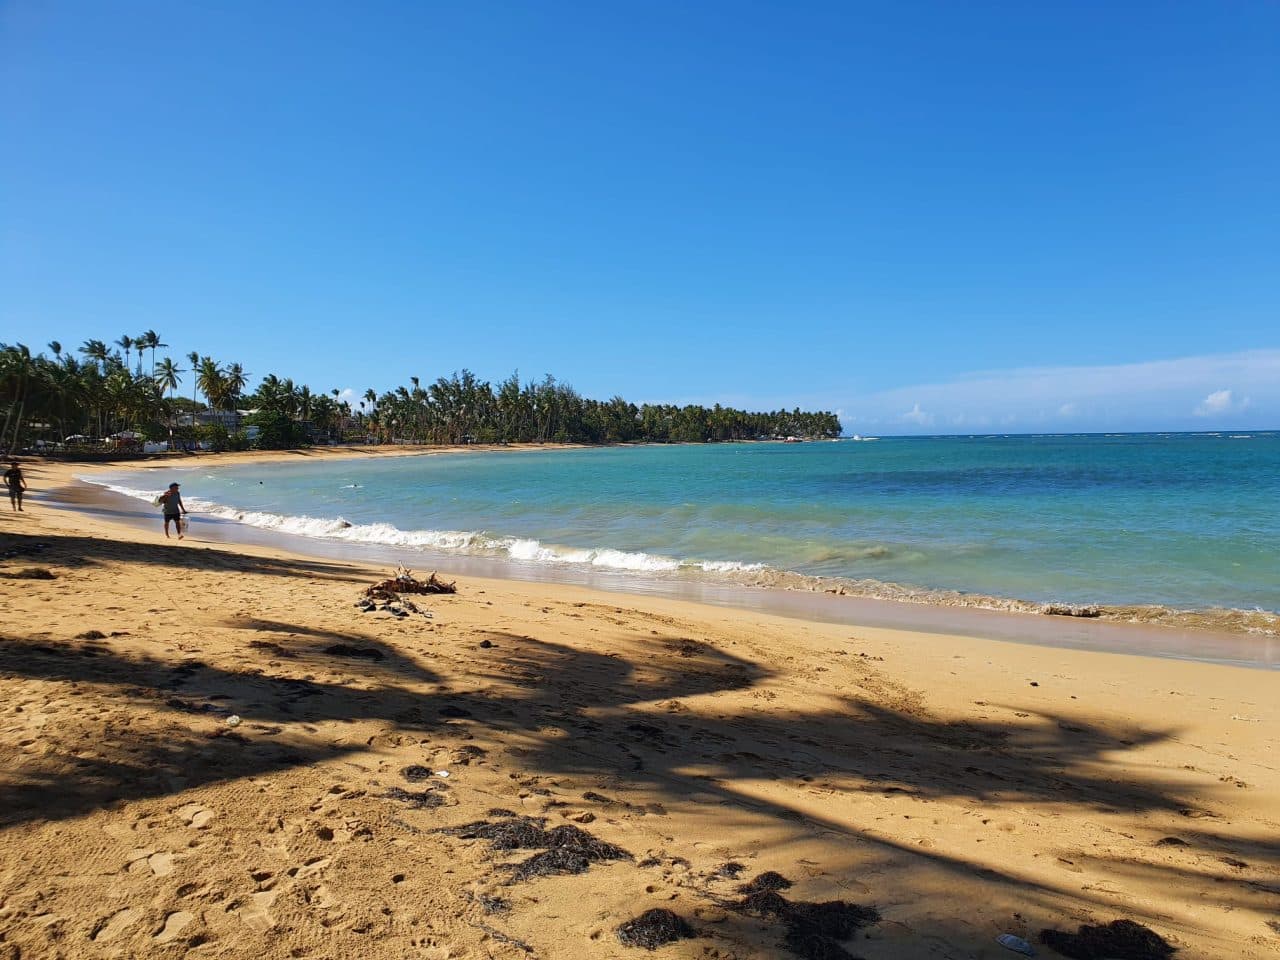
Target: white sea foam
465,541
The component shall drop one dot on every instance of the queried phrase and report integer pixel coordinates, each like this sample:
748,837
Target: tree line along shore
122,394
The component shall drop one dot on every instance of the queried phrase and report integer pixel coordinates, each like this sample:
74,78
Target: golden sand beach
963,787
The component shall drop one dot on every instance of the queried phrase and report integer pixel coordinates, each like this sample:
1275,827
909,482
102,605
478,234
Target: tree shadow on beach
76,552
634,713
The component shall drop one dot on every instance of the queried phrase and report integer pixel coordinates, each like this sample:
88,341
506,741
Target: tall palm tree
150,340
125,343
194,359
167,379
56,347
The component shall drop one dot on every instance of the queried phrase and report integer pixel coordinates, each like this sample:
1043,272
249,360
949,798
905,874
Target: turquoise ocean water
1189,521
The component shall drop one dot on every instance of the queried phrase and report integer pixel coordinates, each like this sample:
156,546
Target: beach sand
963,787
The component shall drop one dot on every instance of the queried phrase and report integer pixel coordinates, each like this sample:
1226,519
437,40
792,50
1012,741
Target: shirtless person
17,484
174,508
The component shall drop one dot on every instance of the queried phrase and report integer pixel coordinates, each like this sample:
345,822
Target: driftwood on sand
405,582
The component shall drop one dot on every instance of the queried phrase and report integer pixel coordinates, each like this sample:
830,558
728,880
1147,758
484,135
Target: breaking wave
475,542
526,550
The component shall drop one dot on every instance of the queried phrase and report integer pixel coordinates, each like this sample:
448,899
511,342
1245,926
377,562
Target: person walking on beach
174,509
17,484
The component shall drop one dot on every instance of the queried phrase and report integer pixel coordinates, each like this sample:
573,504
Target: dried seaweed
564,849
769,880
813,929
426,799
1117,940
416,773
653,928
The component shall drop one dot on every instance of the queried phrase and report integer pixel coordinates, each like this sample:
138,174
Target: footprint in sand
114,925
255,911
174,924
161,864
195,816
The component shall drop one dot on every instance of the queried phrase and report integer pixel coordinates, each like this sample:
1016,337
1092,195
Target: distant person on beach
17,484
174,509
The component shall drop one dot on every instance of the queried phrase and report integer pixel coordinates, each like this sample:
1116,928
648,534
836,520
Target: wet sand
963,786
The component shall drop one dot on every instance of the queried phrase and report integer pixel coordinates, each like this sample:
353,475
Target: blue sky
933,217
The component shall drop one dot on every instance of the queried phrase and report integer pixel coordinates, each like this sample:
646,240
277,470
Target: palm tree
56,347
96,351
210,380
193,358
125,343
150,340
167,377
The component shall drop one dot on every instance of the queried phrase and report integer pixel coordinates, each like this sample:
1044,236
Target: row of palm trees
49,397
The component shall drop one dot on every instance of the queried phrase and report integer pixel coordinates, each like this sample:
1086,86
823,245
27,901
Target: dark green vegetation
95,392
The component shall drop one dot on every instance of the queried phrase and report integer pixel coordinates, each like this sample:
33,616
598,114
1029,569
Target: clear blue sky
925,215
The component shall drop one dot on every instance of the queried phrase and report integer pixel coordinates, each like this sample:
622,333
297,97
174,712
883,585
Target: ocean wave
528,550
465,541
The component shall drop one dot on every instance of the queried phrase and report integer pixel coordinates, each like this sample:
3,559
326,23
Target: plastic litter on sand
1016,944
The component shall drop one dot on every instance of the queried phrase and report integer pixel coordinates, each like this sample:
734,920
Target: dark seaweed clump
1118,940
769,880
653,928
421,801
416,773
564,849
813,929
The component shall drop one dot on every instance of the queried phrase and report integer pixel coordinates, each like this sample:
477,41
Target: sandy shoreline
1237,637
963,786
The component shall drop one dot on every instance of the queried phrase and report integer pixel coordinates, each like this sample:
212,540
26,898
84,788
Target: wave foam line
464,541
477,543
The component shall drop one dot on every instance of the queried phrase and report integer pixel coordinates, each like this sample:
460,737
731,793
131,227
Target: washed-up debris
1171,842
1117,940
1015,943
416,773
359,653
653,928
1070,610
422,800
233,720
565,849
91,635
813,929
389,595
405,582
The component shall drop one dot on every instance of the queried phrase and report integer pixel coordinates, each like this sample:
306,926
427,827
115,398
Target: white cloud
1149,395
917,416
347,394
1220,402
